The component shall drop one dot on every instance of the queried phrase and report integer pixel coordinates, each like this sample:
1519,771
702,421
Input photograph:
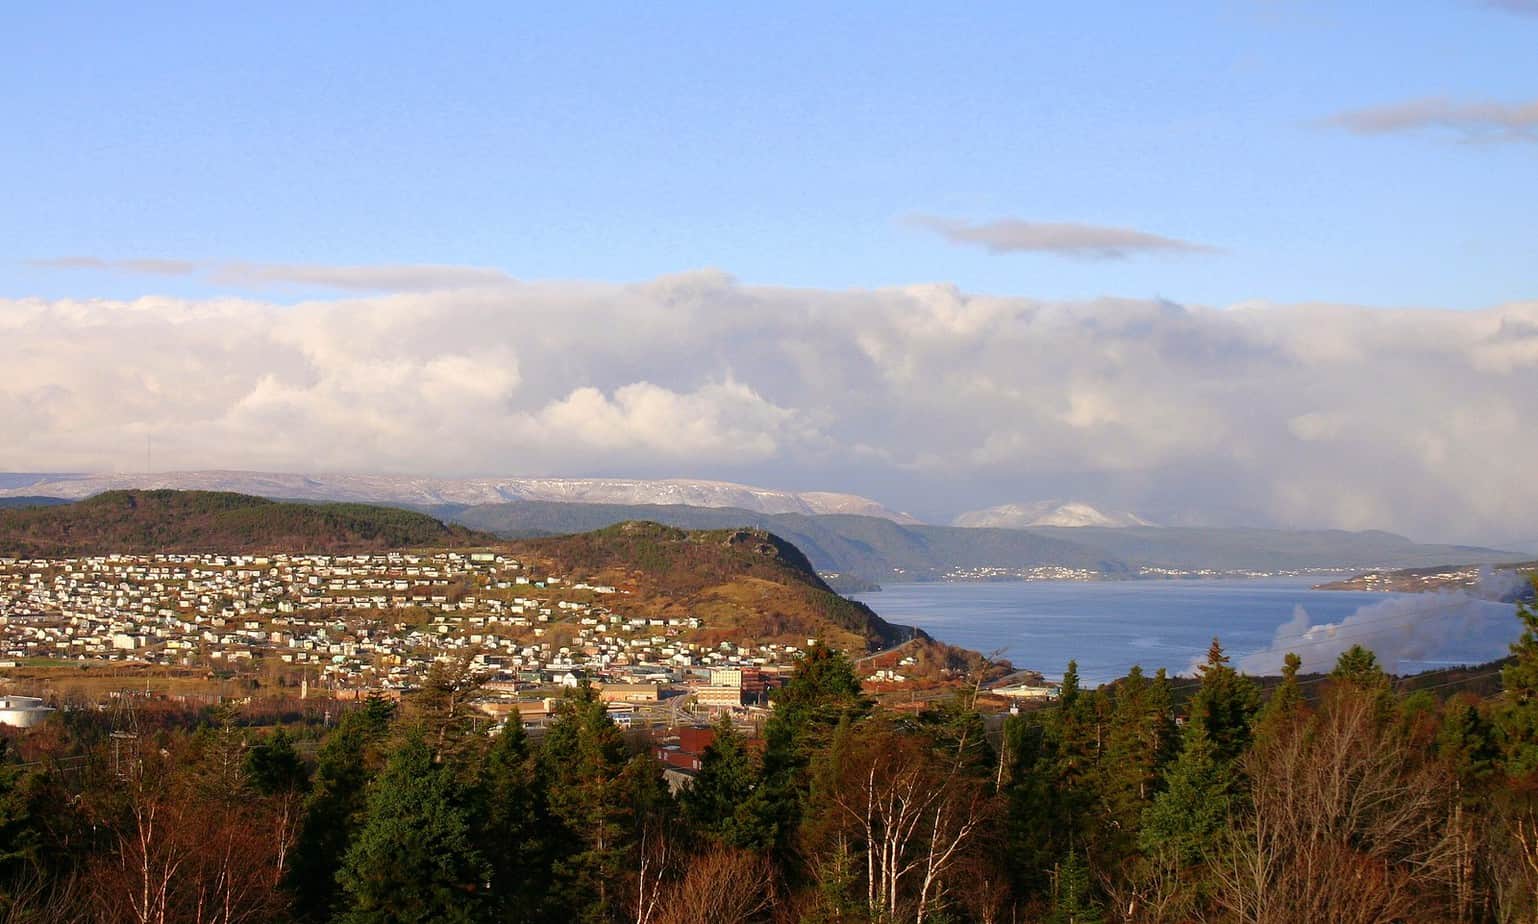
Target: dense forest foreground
1339,798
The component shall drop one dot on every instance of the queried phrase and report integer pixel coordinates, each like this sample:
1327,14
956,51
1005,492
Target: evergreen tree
335,805
1194,807
273,766
1223,709
1518,716
1049,782
1286,702
1204,784
443,710
1359,667
1077,737
1036,829
716,803
20,840
1357,672
1074,901
1129,774
822,693
1467,743
955,725
582,760
1161,704
512,824
219,771
413,860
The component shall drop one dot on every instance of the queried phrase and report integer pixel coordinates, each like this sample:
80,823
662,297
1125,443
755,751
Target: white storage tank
22,711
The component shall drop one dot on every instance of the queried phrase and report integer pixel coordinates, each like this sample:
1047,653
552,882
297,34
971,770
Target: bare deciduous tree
1348,825
914,811
721,886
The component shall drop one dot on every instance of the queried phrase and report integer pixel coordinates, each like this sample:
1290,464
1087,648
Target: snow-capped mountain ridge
1048,513
406,489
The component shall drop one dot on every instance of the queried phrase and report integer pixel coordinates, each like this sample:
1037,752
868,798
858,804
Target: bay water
1108,626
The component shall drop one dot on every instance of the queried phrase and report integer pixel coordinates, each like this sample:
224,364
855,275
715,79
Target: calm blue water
1111,625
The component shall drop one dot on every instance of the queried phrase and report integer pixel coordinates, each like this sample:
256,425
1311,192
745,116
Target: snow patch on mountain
1048,513
405,489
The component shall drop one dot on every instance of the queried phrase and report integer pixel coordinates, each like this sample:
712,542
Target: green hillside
143,522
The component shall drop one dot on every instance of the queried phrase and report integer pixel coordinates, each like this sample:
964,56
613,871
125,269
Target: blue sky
787,143
1149,256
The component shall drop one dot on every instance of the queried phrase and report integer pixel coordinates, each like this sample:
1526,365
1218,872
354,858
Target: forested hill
744,583
147,522
7,503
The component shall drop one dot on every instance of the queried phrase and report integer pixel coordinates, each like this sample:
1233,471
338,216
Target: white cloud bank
925,397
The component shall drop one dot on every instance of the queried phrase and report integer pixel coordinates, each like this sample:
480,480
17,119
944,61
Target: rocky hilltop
745,584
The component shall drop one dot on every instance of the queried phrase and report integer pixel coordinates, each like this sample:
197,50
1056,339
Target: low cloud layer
927,398
1070,239
1472,121
405,278
1402,631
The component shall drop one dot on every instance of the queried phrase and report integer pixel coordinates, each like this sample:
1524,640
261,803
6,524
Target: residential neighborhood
350,625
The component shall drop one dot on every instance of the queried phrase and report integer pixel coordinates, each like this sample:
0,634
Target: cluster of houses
1036,573
350,624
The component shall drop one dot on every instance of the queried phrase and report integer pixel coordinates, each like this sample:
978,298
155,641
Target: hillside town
350,625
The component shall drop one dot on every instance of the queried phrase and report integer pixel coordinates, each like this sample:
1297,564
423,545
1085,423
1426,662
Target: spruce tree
1192,810
1359,667
822,693
20,840
1129,773
1223,709
1286,702
1468,745
581,762
1074,901
414,860
1161,704
1206,782
1518,715
1049,782
273,766
335,806
715,803
1078,737
512,824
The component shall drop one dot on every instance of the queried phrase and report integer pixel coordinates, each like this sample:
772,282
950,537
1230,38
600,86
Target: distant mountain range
1047,513
418,492
855,538
873,550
